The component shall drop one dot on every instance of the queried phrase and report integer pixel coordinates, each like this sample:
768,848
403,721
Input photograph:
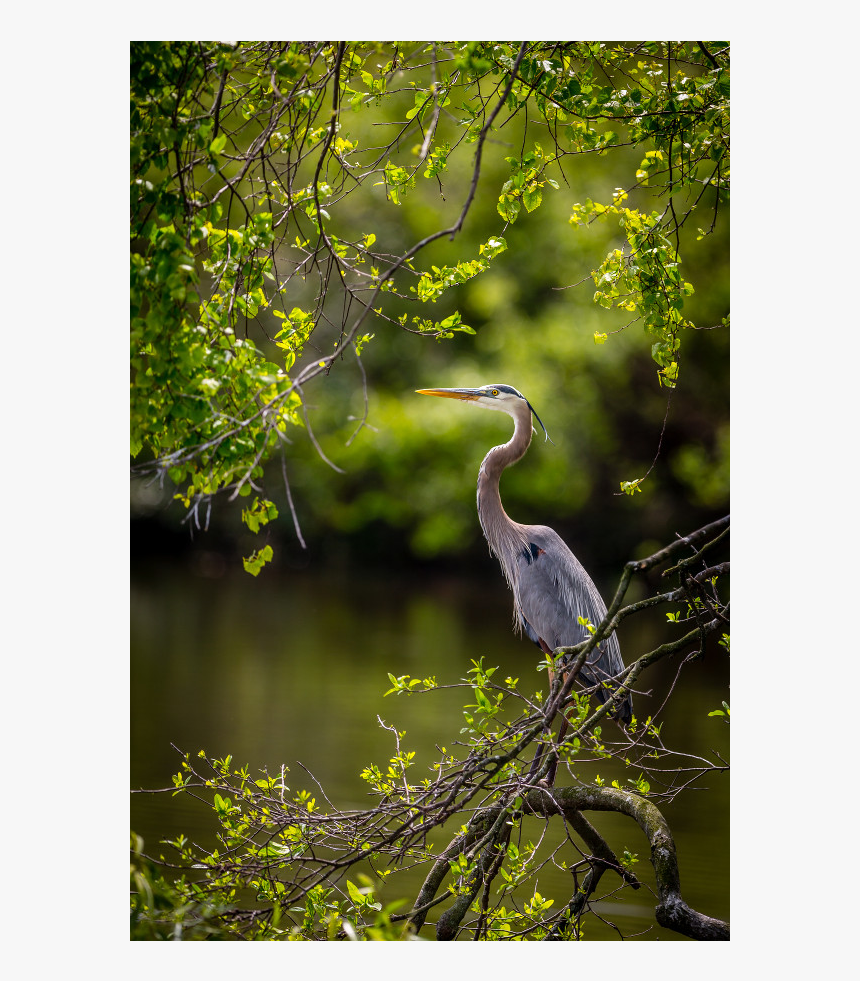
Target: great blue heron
551,589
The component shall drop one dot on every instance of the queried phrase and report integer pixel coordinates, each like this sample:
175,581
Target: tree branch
671,911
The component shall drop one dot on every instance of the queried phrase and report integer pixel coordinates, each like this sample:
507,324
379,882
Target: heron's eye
495,391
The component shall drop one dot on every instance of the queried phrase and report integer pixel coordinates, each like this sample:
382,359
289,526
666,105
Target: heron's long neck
503,535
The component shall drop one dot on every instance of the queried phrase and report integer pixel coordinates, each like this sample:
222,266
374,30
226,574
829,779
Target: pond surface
292,668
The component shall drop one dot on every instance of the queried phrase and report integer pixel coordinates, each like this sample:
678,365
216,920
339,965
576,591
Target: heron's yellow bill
468,394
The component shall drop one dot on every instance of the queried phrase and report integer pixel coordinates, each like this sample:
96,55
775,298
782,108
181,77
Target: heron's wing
554,591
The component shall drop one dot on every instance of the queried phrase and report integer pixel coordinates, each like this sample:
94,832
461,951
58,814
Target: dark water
291,670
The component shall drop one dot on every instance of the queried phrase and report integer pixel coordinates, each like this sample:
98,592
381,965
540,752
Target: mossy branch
671,911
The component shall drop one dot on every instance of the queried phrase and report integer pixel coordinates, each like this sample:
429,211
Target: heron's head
503,398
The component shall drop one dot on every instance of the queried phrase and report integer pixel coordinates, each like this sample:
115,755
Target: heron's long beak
465,394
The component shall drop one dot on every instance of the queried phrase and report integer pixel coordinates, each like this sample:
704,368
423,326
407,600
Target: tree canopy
308,217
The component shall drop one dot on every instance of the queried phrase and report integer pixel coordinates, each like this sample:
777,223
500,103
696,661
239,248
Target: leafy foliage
291,865
267,242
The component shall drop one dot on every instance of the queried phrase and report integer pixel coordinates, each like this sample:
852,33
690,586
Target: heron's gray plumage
554,591
550,587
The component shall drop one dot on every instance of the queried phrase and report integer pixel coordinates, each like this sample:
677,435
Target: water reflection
292,670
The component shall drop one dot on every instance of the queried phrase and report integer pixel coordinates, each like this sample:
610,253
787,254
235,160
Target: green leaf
355,893
532,197
493,246
255,562
632,486
508,207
